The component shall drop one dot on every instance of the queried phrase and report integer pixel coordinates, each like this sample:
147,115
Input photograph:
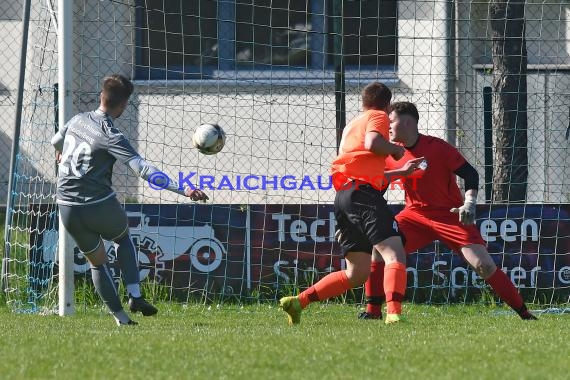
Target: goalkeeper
89,145
436,210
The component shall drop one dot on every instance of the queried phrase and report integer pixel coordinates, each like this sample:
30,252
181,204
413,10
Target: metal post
488,141
65,103
339,77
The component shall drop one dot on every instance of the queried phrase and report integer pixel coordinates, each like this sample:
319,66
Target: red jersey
436,187
353,160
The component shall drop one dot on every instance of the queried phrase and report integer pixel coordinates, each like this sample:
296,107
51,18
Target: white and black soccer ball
209,138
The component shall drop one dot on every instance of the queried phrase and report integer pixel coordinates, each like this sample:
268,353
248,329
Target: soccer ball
209,138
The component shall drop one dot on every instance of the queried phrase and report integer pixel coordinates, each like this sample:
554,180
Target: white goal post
65,113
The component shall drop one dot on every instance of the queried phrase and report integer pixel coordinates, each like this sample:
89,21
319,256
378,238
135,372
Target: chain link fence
11,32
445,75
269,77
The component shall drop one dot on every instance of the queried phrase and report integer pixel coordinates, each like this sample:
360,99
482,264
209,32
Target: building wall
547,29
10,29
287,127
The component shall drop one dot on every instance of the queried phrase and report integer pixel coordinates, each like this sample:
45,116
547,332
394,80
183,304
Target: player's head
404,119
376,96
115,94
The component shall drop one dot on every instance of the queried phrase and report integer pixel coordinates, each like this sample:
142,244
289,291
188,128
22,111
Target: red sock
374,289
332,285
395,286
505,289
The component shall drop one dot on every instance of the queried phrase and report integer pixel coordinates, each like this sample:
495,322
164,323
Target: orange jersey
353,160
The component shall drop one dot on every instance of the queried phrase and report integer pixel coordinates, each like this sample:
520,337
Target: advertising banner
235,249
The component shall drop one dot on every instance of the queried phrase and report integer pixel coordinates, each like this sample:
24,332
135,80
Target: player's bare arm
196,194
374,142
408,168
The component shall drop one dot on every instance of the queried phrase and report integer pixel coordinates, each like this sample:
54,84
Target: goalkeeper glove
467,211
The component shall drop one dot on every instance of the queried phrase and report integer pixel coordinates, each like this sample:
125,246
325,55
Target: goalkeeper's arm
471,179
146,171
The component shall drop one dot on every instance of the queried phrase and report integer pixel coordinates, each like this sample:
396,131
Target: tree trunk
510,124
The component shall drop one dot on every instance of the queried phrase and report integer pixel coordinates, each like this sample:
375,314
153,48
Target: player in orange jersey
430,196
363,217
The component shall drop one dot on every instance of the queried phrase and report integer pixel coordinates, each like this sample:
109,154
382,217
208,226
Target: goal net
282,77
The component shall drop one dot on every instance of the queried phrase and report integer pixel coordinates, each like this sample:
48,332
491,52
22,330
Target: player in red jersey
363,217
430,196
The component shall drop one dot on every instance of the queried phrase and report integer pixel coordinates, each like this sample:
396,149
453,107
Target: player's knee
98,256
488,269
358,275
485,268
123,239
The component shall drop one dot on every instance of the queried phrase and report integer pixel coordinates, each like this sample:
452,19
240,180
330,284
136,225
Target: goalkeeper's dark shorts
422,228
88,224
363,218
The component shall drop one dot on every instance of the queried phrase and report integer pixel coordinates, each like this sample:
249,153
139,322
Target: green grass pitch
254,342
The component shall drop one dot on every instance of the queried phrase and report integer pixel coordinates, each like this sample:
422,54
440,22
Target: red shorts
421,229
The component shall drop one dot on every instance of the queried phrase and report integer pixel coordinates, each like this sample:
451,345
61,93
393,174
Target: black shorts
363,218
88,224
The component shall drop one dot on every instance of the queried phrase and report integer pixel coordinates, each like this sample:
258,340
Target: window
200,39
176,38
369,32
272,32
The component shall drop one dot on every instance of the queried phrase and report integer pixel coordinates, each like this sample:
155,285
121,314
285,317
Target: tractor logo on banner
156,245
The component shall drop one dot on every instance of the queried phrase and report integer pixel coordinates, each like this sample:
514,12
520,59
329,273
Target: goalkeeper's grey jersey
91,145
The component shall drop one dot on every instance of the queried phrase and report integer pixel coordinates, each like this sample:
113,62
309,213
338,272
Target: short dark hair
116,89
406,108
376,95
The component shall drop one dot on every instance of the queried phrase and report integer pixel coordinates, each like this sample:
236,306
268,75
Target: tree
510,123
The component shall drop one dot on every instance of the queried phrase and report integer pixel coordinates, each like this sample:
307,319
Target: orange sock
332,285
395,286
374,289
